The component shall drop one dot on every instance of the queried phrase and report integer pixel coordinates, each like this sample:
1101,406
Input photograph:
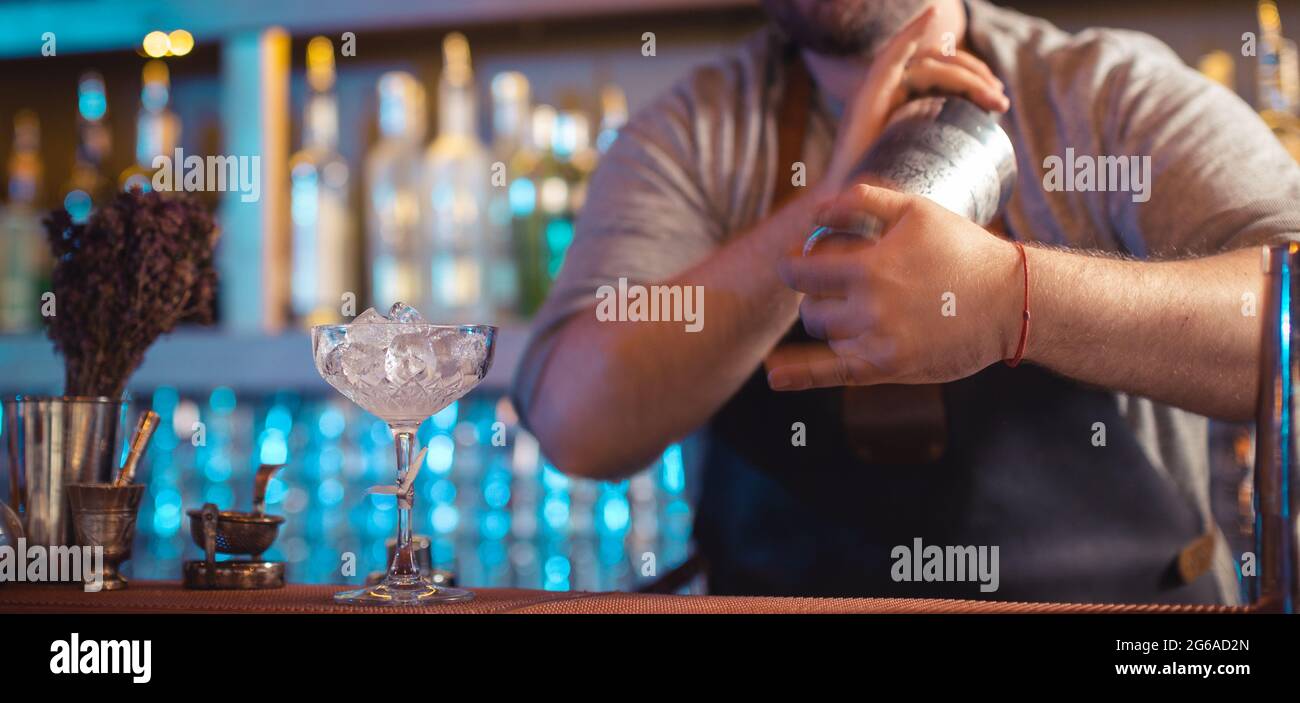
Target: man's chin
841,27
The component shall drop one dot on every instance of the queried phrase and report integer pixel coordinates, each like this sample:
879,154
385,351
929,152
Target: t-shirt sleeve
1220,179
647,217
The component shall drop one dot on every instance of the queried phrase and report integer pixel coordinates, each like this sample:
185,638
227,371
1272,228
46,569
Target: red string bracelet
1024,325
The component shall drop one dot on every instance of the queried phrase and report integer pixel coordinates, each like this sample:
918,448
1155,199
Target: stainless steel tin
1276,586
55,441
949,150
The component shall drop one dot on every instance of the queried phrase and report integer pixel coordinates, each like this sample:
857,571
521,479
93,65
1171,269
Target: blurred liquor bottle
24,257
613,115
512,196
1219,67
1278,78
324,249
157,131
533,221
577,159
458,183
88,183
576,153
395,209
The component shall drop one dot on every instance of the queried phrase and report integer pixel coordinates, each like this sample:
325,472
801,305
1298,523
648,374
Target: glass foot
419,592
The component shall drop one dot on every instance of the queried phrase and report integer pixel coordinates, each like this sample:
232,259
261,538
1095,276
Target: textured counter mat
169,597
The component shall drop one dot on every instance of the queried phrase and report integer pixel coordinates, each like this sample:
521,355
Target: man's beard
841,27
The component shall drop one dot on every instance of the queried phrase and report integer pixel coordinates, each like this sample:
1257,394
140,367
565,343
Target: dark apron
1072,521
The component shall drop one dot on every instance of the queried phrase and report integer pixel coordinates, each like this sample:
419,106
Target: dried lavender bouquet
142,263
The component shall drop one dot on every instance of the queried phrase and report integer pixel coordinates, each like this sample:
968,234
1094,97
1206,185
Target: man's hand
936,299
1173,331
910,63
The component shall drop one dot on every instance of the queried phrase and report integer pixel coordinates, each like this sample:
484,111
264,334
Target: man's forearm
613,394
1186,333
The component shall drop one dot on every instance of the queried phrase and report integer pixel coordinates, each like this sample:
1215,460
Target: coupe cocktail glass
402,372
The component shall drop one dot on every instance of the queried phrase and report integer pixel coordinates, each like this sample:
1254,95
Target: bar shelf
201,358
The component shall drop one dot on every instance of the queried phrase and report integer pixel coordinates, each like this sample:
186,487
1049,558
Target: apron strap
792,123
897,424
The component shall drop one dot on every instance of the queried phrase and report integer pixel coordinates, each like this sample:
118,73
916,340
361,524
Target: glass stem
404,567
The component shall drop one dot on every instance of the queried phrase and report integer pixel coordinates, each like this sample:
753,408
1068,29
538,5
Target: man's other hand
935,299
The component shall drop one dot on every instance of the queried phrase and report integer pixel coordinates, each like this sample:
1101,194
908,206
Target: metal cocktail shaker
1276,586
949,150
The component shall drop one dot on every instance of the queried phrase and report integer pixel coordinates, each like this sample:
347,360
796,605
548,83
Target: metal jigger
103,515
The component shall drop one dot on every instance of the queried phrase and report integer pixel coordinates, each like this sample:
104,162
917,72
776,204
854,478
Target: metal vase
54,441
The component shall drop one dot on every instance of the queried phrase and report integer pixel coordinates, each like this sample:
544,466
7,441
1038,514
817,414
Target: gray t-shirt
698,166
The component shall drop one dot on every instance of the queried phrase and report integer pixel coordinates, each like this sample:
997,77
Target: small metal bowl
236,532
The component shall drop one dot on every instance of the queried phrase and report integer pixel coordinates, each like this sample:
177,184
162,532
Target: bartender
1037,389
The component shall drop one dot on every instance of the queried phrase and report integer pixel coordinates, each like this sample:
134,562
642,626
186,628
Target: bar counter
169,597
